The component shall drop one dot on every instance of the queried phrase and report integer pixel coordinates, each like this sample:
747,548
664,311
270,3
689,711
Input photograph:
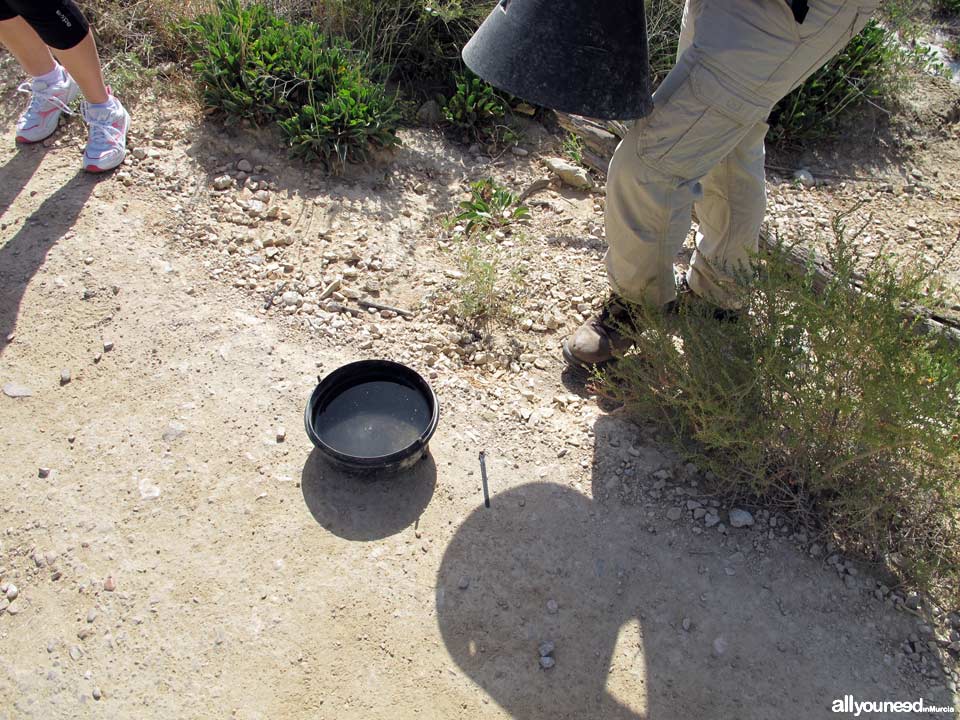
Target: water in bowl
373,419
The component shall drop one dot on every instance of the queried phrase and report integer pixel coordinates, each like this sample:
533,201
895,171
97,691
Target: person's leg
745,55
730,214
83,62
25,45
50,88
740,58
63,27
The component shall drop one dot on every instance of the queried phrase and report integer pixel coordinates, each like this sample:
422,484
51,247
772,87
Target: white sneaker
107,142
39,121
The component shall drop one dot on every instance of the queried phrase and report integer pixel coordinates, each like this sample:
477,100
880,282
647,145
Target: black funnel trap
576,56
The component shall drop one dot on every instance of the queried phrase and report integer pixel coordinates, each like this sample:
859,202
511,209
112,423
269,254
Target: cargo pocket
697,126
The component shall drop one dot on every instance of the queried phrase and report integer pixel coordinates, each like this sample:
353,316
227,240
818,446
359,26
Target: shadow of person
648,618
24,254
537,545
17,172
359,508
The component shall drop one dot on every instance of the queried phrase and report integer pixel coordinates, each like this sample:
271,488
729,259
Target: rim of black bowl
369,371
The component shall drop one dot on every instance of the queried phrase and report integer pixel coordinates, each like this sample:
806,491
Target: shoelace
101,130
38,97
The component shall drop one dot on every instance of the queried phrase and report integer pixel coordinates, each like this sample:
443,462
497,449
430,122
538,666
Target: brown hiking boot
600,339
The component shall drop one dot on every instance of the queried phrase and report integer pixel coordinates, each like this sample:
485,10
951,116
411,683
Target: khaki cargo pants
703,143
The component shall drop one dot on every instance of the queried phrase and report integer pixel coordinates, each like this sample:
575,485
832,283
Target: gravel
16,390
740,518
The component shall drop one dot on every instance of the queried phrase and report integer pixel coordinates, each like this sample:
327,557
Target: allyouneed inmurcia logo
857,708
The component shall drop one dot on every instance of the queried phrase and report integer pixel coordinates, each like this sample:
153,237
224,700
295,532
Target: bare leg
26,46
83,63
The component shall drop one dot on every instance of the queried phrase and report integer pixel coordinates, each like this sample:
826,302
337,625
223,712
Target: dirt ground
188,555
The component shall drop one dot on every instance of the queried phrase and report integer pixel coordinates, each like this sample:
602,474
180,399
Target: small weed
126,74
490,207
573,148
475,108
490,286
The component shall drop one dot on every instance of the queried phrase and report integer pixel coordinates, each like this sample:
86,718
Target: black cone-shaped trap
575,56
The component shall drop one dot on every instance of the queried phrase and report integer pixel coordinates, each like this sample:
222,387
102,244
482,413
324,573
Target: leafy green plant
490,206
823,398
573,148
254,65
475,107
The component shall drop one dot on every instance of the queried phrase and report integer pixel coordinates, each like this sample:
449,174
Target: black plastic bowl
373,415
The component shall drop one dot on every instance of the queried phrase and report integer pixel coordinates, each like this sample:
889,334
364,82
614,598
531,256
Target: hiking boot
600,339
47,102
107,141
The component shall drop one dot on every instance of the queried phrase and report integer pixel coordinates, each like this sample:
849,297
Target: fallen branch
388,308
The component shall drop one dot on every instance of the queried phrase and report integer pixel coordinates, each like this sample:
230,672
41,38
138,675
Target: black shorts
59,23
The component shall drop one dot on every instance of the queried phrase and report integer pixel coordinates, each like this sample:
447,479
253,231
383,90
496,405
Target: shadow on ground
25,253
357,508
764,637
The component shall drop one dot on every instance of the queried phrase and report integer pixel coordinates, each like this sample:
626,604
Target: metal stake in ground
483,474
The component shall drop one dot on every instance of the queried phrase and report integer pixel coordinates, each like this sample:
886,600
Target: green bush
475,108
253,65
822,398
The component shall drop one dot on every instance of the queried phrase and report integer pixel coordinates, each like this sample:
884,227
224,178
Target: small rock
464,583
107,345
175,430
804,177
224,182
546,648
740,518
281,434
13,608
552,607
76,653
519,151
16,390
97,694
573,175
65,377
711,519
110,584
720,646
12,592
674,513
292,298
686,624
43,473
91,615
244,166
430,113
547,662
